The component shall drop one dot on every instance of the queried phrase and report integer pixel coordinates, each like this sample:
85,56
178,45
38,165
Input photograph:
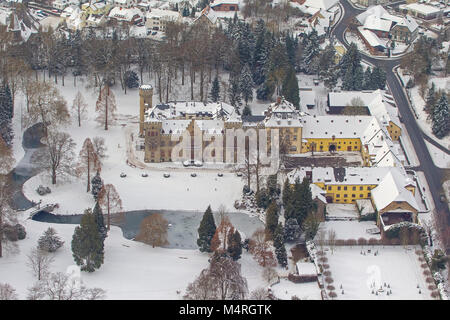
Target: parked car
154,33
239,174
145,174
442,198
186,163
220,174
198,163
193,174
166,175
123,175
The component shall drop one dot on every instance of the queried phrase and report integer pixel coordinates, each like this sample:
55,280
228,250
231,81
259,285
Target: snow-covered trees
153,231
271,220
221,280
87,243
39,262
374,79
234,93
278,243
111,203
88,160
97,185
79,108
310,56
58,155
6,114
7,292
106,107
60,286
328,70
246,84
215,90
99,221
7,216
50,241
261,249
292,230
206,231
131,79
234,245
441,118
351,69
290,89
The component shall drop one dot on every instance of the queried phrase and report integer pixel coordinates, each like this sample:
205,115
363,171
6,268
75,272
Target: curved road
434,175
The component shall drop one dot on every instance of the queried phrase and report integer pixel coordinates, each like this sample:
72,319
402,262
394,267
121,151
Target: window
368,194
338,196
345,195
329,187
339,188
368,187
360,188
345,188
361,195
353,195
354,188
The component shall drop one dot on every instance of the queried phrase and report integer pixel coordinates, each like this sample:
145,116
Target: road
433,174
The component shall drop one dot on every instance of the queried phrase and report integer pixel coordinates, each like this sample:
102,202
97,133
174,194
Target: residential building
225,5
157,19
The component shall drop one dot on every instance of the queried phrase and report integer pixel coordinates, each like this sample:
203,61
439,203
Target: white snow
392,265
440,158
286,289
346,230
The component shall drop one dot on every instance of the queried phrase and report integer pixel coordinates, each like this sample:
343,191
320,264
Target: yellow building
98,8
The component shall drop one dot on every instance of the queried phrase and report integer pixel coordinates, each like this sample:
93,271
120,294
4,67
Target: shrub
373,241
326,266
431,287
419,252
350,242
424,265
327,273
329,280
429,280
340,242
330,288
435,294
332,294
421,259
427,273
323,259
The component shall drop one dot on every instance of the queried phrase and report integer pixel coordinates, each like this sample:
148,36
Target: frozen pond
182,232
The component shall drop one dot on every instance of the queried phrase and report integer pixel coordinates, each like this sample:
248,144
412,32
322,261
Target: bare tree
223,231
109,200
7,216
58,156
79,107
261,250
60,286
7,292
259,294
226,274
88,160
153,231
106,107
99,147
321,238
39,262
203,288
332,239
269,274
46,105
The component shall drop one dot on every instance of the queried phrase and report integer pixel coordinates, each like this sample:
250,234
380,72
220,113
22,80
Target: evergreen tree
441,118
430,100
206,231
246,84
311,52
6,114
247,111
287,192
131,79
292,230
378,79
271,219
328,70
193,12
50,241
99,221
290,89
87,244
234,94
215,90
97,185
278,243
235,246
367,82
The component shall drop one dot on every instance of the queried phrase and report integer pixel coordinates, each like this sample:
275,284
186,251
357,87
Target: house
318,4
368,3
62,4
225,5
405,31
207,17
97,8
125,15
375,45
124,3
157,19
422,11
394,200
306,271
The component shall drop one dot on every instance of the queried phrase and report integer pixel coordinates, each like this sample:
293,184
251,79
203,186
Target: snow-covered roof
376,23
376,11
219,2
393,189
166,14
126,14
409,22
307,98
306,269
372,38
320,4
211,15
317,192
422,8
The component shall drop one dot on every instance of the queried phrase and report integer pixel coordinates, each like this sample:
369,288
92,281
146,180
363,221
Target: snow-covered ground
418,104
440,158
342,211
286,289
392,265
346,230
131,270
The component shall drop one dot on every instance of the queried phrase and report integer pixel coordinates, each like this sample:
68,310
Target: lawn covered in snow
392,265
132,270
346,230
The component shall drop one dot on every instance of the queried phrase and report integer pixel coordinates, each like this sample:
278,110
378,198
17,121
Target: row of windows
361,195
353,188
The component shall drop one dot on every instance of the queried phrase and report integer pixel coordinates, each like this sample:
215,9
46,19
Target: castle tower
145,103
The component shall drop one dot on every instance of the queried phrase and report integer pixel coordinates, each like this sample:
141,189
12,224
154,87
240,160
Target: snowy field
346,230
286,289
342,211
132,270
395,266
